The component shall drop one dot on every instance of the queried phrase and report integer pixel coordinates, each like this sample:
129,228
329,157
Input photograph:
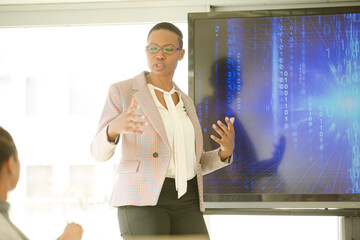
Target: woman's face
161,63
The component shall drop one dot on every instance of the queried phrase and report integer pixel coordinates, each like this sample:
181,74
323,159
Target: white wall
22,13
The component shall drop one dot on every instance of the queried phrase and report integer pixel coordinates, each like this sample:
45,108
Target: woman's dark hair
7,146
172,28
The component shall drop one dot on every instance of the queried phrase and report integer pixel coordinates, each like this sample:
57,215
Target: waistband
172,180
168,191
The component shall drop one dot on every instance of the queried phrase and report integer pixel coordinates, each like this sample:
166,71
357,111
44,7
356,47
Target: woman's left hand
227,134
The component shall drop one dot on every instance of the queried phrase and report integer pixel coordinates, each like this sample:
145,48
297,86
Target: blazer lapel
144,99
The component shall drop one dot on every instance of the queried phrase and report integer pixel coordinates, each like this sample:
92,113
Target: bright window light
53,85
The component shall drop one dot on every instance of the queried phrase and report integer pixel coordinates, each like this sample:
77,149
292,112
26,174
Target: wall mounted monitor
291,78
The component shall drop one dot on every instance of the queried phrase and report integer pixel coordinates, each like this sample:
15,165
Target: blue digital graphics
293,84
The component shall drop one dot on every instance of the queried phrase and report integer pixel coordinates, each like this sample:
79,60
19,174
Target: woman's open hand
227,137
127,122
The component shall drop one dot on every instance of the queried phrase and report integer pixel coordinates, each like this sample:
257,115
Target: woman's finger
218,130
133,102
137,124
131,110
133,107
215,139
137,131
222,126
136,117
230,123
134,129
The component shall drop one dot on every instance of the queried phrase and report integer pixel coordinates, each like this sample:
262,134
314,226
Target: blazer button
155,154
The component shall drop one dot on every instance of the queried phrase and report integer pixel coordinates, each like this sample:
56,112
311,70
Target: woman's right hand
127,122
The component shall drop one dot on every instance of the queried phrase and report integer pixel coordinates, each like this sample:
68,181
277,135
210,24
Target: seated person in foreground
9,176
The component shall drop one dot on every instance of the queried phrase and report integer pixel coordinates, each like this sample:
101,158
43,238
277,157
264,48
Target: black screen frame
279,204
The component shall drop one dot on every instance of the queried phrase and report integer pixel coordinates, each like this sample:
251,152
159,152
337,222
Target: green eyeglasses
167,49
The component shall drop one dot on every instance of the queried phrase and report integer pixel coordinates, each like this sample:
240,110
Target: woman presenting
159,185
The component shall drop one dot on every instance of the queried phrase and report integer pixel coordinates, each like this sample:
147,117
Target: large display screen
292,81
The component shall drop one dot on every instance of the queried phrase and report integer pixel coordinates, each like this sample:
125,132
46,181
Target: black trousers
171,216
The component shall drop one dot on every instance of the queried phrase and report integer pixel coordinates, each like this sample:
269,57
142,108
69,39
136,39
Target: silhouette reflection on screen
248,173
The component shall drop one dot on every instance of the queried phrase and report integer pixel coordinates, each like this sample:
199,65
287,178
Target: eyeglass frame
162,48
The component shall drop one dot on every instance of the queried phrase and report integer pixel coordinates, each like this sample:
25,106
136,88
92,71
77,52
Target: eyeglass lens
168,49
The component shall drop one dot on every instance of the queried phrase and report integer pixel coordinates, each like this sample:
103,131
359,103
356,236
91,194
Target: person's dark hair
172,28
7,146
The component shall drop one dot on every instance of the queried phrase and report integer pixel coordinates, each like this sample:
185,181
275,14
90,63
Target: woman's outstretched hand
127,122
227,137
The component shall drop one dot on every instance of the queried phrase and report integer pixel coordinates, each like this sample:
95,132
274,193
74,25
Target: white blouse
189,134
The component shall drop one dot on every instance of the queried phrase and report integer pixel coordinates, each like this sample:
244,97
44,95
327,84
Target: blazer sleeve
211,161
101,148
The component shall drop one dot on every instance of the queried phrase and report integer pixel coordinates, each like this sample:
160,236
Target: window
81,181
39,182
53,86
5,89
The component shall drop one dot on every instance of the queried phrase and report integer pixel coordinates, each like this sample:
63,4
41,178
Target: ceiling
22,2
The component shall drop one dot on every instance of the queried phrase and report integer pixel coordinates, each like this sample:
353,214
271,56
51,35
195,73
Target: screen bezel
298,204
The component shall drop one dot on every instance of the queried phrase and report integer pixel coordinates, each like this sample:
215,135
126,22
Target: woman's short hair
7,146
171,27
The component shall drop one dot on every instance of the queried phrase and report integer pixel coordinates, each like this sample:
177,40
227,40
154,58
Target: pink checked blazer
145,158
